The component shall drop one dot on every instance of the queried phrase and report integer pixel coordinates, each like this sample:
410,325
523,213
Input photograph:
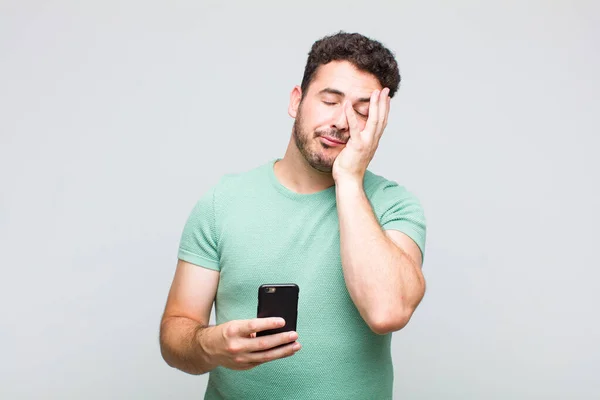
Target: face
321,128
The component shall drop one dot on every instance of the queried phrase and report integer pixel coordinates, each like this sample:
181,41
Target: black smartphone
278,300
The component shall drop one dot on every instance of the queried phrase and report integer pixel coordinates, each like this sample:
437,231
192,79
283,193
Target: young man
351,240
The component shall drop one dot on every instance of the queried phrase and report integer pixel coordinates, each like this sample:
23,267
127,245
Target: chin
322,168
321,163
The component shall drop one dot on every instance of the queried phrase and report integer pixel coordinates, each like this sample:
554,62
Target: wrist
202,338
349,183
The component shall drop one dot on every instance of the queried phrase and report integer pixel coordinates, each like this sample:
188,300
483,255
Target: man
351,240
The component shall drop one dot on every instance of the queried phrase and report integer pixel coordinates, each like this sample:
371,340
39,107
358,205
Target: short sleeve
398,209
198,244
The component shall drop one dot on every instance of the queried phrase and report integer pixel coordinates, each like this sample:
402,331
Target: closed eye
329,103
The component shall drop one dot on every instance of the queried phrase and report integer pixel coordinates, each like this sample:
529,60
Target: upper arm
402,218
406,244
194,285
192,292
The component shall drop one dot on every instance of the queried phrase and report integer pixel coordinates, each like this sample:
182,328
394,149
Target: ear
295,98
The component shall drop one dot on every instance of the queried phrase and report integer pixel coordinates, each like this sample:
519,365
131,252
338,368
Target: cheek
325,116
317,119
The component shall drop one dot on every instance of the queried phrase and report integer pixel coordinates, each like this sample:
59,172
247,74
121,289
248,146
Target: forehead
345,77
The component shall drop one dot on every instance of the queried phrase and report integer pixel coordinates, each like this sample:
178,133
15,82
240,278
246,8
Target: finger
273,354
351,118
387,114
250,326
268,342
373,119
383,112
383,105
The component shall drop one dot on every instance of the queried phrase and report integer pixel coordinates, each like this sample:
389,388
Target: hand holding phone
235,345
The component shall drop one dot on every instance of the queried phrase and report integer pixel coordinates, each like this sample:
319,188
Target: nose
340,122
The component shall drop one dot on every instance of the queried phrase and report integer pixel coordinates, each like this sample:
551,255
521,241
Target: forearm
181,345
384,283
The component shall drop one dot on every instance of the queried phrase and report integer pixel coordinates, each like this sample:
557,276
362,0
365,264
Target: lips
333,140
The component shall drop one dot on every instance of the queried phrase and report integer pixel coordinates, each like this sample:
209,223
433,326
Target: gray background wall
117,116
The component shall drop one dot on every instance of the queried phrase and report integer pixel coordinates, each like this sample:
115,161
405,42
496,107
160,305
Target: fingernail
293,335
297,347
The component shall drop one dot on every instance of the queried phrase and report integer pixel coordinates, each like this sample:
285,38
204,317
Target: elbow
174,355
167,354
395,315
382,323
175,362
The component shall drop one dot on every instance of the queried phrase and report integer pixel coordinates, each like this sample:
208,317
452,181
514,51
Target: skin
382,269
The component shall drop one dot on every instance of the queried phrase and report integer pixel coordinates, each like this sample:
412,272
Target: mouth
328,140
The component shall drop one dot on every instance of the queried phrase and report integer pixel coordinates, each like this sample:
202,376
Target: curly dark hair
364,53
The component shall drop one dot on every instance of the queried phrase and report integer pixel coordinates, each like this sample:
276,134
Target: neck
294,172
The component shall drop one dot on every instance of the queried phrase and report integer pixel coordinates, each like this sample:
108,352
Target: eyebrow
340,93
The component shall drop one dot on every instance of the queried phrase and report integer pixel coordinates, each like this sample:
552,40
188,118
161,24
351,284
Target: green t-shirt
254,231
